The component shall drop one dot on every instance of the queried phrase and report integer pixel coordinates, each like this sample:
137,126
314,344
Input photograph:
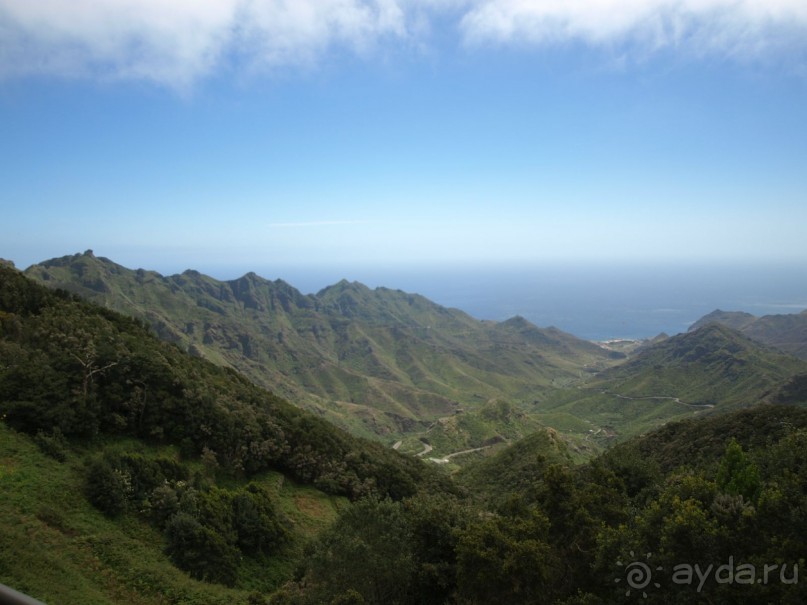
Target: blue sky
229,135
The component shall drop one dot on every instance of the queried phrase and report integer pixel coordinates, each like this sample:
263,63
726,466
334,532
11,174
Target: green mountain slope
123,460
131,472
727,491
375,361
706,371
736,320
516,467
698,442
57,547
787,332
452,439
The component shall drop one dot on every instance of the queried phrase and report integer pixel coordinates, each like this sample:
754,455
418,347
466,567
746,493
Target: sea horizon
593,302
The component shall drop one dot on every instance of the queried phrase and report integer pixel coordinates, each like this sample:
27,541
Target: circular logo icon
637,575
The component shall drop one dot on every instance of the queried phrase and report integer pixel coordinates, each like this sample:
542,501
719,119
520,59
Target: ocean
592,302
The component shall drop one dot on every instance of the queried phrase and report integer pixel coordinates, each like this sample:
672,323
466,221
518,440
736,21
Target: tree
109,489
435,522
200,551
737,474
506,559
255,520
367,551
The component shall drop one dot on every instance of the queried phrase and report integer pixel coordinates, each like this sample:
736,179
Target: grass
59,549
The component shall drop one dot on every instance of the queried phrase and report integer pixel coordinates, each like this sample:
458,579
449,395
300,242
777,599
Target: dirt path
426,449
675,399
446,459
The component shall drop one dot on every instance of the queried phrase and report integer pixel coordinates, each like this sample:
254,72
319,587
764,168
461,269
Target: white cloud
177,42
170,41
296,31
728,27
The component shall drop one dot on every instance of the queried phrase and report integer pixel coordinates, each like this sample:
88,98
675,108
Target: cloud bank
726,27
178,42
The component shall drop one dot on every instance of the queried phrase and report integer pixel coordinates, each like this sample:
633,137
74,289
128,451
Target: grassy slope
692,443
713,369
514,468
488,428
59,549
689,442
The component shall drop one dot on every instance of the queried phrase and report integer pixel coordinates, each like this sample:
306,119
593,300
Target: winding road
426,449
446,459
675,399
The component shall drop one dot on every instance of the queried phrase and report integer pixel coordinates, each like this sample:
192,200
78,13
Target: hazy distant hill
787,332
709,370
377,361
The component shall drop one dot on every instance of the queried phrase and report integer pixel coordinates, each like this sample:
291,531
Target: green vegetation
381,363
708,371
515,468
482,431
74,370
162,456
785,332
539,530
59,548
132,472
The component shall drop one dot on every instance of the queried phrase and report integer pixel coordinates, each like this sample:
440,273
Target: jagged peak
343,285
80,257
250,278
518,322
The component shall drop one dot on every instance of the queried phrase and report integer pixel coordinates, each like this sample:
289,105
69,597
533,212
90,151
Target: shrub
108,489
204,554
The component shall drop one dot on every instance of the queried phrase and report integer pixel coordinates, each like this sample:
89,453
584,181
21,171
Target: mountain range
787,332
134,472
379,362
435,382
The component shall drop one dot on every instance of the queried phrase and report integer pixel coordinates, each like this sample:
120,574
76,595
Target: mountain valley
133,470
381,363
395,367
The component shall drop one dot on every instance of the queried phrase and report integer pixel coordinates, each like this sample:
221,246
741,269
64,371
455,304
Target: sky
226,135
